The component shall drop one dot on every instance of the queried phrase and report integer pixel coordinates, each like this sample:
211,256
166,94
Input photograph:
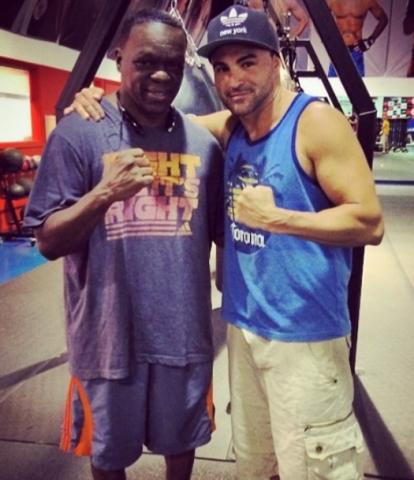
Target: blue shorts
167,409
357,57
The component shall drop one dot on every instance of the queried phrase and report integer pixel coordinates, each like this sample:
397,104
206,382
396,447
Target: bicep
344,175
299,13
340,166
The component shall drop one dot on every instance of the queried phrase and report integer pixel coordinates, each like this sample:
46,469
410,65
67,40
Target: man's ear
118,58
277,60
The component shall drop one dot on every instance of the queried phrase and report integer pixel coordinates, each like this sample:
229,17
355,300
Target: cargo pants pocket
333,450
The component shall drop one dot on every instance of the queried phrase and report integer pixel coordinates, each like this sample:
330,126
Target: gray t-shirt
140,289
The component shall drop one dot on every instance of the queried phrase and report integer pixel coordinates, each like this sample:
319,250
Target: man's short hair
147,15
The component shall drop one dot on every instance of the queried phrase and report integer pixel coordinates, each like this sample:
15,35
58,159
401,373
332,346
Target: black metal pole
364,107
318,72
94,50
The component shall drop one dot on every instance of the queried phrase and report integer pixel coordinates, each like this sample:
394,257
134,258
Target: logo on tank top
245,239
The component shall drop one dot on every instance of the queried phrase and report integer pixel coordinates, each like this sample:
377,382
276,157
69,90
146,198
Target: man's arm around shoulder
87,104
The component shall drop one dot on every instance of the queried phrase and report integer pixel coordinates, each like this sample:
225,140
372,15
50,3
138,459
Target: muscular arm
300,15
379,13
67,231
342,172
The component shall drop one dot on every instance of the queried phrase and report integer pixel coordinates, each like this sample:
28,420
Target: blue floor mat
18,257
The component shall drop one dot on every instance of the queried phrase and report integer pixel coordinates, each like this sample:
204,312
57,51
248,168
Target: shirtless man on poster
350,16
283,9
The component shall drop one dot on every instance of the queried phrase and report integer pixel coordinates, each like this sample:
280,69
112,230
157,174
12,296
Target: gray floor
394,166
385,357
33,372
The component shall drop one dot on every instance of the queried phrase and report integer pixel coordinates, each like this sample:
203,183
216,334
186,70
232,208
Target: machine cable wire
191,57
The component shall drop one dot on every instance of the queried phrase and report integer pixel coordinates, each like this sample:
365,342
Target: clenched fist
256,208
125,173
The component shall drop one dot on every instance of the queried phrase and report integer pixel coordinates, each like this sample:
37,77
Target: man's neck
259,123
145,119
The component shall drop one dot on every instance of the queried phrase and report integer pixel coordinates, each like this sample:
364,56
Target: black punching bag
197,93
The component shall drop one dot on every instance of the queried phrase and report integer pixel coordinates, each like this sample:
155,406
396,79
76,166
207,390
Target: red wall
46,84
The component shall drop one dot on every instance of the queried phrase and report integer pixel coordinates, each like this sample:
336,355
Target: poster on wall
68,22
379,33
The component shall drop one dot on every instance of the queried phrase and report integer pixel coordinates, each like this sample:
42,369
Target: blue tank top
281,286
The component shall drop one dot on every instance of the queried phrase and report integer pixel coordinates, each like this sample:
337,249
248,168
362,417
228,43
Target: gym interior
51,49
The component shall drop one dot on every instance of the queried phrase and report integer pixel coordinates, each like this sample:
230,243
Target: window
15,108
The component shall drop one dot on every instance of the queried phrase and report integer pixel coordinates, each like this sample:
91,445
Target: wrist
279,221
101,197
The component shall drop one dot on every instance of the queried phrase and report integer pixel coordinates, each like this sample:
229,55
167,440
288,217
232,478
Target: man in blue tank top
299,196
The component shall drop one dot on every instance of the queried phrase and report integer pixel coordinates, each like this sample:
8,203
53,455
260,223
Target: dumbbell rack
15,228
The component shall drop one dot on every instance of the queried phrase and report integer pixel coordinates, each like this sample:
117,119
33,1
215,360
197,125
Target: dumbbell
15,190
11,160
33,164
36,160
26,165
29,163
26,183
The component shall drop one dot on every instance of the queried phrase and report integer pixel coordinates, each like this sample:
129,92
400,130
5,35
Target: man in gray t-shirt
135,227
